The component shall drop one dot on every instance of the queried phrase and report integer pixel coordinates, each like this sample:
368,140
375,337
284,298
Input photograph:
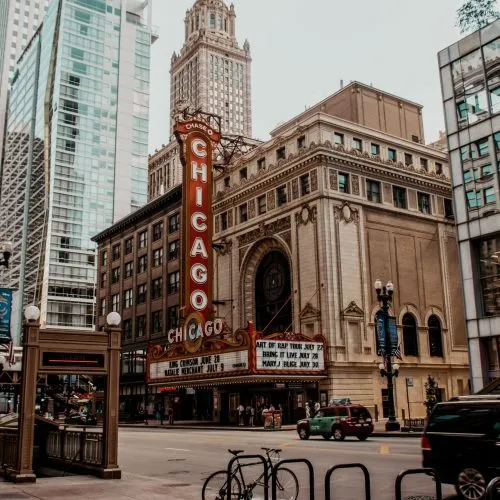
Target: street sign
380,332
409,381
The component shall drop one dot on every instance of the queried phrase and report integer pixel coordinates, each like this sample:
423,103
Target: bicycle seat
235,452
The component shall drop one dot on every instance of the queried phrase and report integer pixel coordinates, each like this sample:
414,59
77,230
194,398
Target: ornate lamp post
387,369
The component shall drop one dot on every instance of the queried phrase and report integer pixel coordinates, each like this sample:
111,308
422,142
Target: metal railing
8,448
77,446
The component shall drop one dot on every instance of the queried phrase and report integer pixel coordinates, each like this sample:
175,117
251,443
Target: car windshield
360,413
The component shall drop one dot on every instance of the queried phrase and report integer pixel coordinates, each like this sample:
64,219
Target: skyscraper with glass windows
76,149
470,83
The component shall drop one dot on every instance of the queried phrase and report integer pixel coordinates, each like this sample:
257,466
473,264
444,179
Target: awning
246,379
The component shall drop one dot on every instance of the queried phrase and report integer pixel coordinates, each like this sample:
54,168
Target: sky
302,49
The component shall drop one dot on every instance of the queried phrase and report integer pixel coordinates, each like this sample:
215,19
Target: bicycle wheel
215,487
287,484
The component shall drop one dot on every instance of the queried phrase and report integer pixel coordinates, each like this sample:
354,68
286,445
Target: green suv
338,421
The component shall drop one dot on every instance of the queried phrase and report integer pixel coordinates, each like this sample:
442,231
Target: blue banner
393,335
380,332
5,313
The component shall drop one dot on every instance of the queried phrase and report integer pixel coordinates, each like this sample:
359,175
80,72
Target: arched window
225,24
410,340
220,22
212,21
435,338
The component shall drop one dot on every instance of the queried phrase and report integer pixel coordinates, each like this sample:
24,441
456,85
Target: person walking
170,416
241,414
252,416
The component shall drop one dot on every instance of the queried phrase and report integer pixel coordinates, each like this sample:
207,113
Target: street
190,455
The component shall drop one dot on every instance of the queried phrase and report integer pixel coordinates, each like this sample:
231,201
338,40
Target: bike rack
429,471
330,471
293,461
230,473
491,489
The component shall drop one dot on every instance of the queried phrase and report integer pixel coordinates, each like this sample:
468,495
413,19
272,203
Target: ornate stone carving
314,180
230,218
217,228
271,201
270,229
355,185
251,209
353,310
295,188
346,213
242,255
307,214
224,246
332,177
310,312
287,237
288,191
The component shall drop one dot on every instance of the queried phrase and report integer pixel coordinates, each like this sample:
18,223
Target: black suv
462,442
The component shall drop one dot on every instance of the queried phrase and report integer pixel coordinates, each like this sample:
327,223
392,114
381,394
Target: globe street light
387,369
32,313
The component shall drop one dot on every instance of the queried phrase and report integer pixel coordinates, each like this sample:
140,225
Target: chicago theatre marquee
235,365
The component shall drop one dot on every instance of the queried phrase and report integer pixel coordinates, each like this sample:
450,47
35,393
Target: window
129,246
261,164
435,338
142,264
157,288
143,239
392,154
173,317
399,196
127,298
305,188
373,191
140,326
474,199
173,250
488,252
103,307
115,275
157,231
173,282
104,279
424,163
261,204
375,149
424,203
142,291
243,212
357,145
127,329
408,159
104,258
281,153
223,221
410,340
281,195
439,168
173,223
489,195
482,147
338,139
344,183
227,182
116,252
301,142
212,21
243,173
115,302
156,322
158,257
448,208
129,269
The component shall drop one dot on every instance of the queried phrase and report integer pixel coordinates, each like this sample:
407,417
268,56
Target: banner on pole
5,314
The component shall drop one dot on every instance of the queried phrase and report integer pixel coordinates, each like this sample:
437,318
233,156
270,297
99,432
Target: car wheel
338,434
327,435
303,434
471,484
362,437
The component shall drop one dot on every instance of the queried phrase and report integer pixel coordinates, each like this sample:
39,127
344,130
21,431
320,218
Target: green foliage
431,389
475,14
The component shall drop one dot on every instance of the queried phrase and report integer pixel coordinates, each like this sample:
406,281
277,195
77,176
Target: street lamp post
387,369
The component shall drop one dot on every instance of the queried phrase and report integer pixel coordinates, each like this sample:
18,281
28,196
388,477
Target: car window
342,411
460,419
360,413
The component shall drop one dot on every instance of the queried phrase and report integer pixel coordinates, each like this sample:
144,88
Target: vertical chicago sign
196,139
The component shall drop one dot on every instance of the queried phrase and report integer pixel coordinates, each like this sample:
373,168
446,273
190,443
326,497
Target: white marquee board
290,355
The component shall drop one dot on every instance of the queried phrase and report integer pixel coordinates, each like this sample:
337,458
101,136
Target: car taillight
426,445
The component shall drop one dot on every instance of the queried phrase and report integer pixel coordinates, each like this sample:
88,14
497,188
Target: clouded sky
301,49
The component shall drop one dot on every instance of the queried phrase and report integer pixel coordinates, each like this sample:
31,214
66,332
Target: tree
475,14
431,389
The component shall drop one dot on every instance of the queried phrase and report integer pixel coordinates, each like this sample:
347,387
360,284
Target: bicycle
215,487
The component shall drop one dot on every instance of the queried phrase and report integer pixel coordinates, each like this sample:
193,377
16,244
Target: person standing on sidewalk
241,414
252,416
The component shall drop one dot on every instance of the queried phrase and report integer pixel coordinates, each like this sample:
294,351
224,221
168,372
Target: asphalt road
189,456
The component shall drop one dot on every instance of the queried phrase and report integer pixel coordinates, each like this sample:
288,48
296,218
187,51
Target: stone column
110,466
23,472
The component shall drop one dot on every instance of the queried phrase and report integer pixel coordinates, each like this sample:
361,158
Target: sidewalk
131,486
379,430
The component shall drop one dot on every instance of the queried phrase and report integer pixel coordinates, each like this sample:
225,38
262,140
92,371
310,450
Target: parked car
462,443
338,421
80,418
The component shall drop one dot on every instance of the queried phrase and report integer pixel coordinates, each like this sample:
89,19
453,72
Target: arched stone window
435,337
410,339
212,21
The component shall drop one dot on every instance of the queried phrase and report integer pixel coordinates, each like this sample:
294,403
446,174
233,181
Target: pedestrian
170,416
271,407
248,411
308,411
146,421
241,414
252,416
317,407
